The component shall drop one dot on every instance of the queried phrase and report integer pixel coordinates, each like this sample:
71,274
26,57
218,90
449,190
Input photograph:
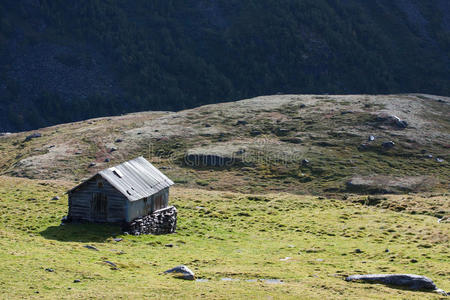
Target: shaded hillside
287,143
63,61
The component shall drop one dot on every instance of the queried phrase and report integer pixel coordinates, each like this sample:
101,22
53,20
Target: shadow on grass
81,232
401,288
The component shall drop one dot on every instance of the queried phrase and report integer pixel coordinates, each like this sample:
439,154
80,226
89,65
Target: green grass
220,234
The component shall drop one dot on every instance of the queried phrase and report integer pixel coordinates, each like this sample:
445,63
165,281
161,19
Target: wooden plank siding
80,202
146,206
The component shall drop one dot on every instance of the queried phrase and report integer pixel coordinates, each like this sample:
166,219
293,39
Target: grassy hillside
64,62
265,142
307,242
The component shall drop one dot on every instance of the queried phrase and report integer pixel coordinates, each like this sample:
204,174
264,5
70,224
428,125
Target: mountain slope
289,143
65,61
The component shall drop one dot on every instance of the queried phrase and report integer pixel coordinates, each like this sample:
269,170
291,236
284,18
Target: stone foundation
163,221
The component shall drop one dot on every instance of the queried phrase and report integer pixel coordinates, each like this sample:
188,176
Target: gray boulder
255,132
392,120
292,140
282,131
399,122
241,122
407,281
388,145
181,272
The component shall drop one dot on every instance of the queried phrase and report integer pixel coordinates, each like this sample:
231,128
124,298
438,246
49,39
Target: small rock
429,156
92,164
241,122
51,146
33,136
118,240
387,250
371,138
119,141
293,140
363,147
346,112
255,132
388,145
90,247
305,162
439,160
49,270
181,272
302,105
282,132
77,280
113,265
414,261
113,149
55,198
358,251
78,153
169,245
286,258
107,160
207,125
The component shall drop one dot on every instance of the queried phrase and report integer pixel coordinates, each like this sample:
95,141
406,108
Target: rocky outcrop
387,184
163,221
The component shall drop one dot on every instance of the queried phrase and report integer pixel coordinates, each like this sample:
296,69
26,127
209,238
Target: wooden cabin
120,194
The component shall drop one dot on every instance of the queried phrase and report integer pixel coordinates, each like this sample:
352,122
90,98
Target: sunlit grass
220,234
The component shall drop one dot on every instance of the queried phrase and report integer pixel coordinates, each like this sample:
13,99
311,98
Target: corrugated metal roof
136,179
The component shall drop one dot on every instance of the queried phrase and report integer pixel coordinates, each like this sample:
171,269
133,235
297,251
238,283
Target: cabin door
99,207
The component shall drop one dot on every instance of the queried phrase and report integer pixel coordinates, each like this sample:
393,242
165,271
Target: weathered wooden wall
146,206
80,202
